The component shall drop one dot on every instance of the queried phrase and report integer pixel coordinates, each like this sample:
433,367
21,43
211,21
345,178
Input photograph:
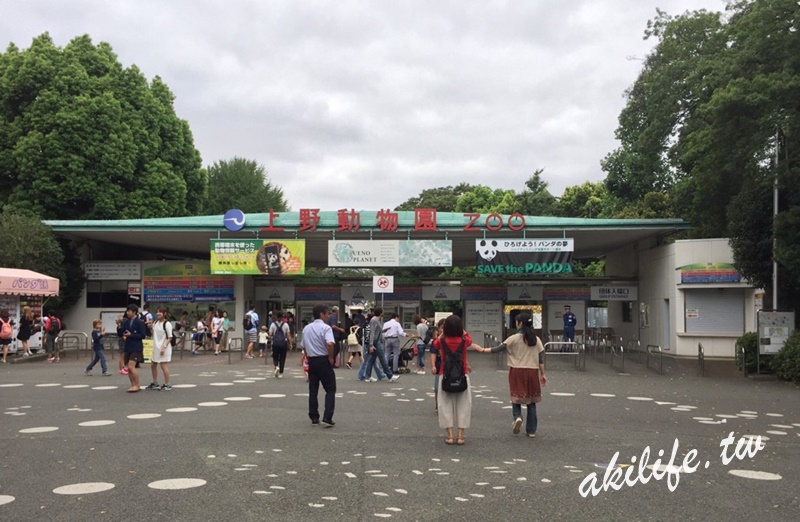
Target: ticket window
406,311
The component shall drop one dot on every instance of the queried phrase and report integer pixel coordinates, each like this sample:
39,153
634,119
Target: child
263,337
305,362
97,345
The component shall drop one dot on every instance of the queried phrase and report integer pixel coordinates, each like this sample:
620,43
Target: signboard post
382,285
774,328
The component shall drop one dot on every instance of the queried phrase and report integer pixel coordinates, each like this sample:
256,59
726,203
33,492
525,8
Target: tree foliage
590,200
700,126
81,137
243,184
28,243
536,199
443,199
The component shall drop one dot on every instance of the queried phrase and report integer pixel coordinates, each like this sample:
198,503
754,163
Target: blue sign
234,220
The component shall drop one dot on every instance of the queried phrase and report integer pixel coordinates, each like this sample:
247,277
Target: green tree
243,184
590,200
443,199
30,244
81,137
536,199
653,205
485,200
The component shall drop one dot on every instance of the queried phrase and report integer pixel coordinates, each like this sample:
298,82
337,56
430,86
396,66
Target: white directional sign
383,284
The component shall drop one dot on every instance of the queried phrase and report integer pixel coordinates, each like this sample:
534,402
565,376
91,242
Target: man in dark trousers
318,342
132,330
569,324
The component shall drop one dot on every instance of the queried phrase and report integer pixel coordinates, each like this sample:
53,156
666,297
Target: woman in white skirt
455,408
162,350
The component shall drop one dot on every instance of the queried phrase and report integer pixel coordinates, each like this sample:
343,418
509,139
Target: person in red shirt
455,408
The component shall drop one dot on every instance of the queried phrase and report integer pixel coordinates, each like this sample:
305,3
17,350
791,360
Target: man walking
318,343
392,331
338,334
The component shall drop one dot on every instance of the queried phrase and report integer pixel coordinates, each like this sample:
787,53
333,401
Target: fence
655,352
701,359
568,348
618,353
237,344
78,341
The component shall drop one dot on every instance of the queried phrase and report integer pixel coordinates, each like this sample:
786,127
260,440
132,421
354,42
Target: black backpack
428,336
247,322
173,340
279,337
454,380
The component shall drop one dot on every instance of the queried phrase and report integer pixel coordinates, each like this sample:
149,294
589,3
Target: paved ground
244,440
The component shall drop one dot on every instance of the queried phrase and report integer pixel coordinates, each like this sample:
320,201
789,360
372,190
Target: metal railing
701,359
744,362
489,341
618,353
567,348
635,346
235,344
655,352
73,339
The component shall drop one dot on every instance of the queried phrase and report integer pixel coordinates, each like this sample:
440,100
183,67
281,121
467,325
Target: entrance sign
524,256
391,253
382,284
358,294
100,271
525,293
614,293
441,293
709,273
774,328
258,256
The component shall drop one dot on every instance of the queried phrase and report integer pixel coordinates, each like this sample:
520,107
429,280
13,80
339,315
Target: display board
483,317
774,328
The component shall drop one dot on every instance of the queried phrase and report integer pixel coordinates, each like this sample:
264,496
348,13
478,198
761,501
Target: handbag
352,338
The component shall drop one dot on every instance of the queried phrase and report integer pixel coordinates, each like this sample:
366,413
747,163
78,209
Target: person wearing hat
569,324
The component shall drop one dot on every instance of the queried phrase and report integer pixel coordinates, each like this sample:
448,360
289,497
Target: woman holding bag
353,346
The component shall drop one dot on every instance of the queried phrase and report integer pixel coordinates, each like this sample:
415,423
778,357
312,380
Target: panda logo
285,254
487,249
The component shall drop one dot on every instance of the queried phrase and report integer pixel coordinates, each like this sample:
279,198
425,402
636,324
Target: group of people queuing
31,323
448,343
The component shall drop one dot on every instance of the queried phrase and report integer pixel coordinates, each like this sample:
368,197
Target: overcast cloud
365,104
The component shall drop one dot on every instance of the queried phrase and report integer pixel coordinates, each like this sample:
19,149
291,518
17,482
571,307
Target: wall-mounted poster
278,257
366,253
524,256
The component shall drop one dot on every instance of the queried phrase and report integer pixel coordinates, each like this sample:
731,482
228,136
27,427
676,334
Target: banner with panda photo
524,256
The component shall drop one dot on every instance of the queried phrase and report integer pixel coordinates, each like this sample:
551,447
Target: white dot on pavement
178,483
6,499
105,387
48,385
75,386
142,416
84,488
11,385
221,384
603,395
238,399
184,386
181,410
42,429
97,423
212,403
560,394
756,475
640,398
273,395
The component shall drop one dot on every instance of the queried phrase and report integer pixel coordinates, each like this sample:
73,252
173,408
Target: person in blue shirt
569,324
132,331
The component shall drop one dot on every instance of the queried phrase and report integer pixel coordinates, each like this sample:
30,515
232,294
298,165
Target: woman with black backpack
526,371
455,398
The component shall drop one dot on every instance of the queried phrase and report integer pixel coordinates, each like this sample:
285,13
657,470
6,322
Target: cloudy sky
364,104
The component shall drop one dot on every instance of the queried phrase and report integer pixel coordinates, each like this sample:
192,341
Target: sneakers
106,374
153,386
275,373
26,354
123,371
166,387
87,372
348,366
217,353
371,379
315,423
246,356
195,352
328,424
58,359
532,435
517,425
394,377
51,359
420,372
280,376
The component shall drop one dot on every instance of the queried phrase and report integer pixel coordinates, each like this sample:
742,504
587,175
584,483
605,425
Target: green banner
258,256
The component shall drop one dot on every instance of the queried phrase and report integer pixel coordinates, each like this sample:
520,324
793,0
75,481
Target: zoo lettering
529,268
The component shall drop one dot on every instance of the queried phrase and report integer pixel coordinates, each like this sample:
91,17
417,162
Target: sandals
134,390
449,441
460,441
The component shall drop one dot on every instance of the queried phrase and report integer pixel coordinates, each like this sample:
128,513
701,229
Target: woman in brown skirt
526,371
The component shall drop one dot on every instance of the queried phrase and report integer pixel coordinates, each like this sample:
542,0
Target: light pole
774,218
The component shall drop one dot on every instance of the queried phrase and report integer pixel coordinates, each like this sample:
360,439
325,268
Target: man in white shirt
318,344
392,331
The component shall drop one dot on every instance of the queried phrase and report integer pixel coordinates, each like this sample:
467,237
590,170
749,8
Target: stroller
406,355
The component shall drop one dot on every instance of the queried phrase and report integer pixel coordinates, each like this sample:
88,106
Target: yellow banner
147,349
258,256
